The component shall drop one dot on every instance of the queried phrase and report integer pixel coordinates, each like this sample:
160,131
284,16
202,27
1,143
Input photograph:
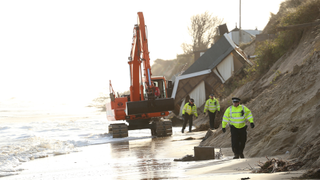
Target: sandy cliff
285,104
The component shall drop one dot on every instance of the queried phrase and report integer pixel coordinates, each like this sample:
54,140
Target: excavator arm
140,56
144,47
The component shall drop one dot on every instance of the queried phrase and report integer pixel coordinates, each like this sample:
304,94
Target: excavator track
161,128
118,130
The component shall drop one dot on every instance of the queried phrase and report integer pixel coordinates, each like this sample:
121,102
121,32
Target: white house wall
226,68
198,94
216,72
182,105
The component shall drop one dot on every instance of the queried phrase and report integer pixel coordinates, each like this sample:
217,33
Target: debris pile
186,158
278,165
188,138
218,155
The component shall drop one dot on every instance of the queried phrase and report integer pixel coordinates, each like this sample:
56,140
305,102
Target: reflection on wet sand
139,159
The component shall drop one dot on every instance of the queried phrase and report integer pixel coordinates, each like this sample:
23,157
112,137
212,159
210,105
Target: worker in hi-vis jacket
188,111
212,106
236,115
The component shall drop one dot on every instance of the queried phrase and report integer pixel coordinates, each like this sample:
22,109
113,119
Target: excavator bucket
149,106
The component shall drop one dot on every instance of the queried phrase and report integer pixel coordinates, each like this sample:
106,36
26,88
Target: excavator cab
165,87
152,103
158,83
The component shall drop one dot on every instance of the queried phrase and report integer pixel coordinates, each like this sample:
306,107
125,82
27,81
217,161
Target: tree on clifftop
202,30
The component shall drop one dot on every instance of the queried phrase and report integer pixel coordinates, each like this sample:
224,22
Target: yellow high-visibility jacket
233,115
212,105
190,110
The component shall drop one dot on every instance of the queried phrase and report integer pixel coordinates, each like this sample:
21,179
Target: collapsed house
208,73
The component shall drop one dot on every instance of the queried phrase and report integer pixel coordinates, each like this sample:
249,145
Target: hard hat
235,99
191,99
211,95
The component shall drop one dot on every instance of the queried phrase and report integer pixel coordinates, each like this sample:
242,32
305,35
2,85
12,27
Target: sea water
30,131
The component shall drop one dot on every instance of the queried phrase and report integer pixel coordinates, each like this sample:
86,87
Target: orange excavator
148,102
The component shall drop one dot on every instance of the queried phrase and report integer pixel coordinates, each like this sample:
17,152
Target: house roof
235,29
213,56
251,32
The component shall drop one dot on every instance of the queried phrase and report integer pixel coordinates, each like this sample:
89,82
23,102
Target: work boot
182,130
236,156
241,156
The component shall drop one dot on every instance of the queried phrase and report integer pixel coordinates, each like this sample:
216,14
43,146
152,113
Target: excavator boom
140,55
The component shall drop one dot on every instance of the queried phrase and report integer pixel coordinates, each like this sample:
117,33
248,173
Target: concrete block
204,152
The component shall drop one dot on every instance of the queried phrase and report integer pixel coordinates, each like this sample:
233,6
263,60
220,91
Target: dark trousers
212,116
187,118
238,139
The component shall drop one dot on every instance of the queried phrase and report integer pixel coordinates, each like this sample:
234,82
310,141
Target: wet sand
150,158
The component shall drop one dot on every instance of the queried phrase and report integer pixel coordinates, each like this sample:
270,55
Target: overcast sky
68,50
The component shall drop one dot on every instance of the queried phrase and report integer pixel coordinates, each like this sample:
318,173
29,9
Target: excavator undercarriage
159,128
